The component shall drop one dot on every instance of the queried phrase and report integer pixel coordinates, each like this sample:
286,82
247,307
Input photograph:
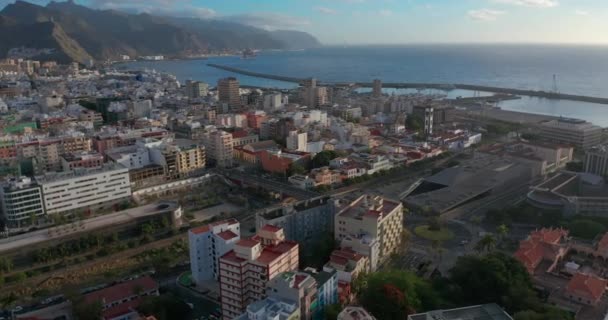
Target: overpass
420,85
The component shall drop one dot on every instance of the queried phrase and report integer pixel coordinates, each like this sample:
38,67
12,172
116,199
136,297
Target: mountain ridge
79,33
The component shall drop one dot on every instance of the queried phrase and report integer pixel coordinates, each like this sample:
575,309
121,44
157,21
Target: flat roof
482,312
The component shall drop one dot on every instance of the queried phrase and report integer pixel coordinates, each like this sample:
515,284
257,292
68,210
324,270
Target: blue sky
400,21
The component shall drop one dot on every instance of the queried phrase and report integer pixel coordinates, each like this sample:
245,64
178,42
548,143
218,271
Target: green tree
395,294
332,311
496,278
87,310
33,219
6,264
502,231
296,168
434,224
486,244
414,123
586,229
323,158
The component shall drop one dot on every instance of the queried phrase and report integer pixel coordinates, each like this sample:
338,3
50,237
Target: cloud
176,8
385,12
531,3
582,12
485,14
268,20
325,10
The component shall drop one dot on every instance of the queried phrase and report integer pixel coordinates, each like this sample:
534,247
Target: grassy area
442,235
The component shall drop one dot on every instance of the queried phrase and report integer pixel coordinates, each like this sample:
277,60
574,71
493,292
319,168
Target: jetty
414,85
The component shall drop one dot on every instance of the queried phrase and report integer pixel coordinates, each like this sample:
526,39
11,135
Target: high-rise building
196,89
596,160
377,88
425,113
229,92
313,96
371,226
297,141
219,145
20,200
207,244
578,133
296,286
246,270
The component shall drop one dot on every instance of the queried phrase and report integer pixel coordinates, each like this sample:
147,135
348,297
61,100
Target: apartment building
372,226
70,161
296,286
327,289
596,160
20,200
271,309
229,92
196,89
219,145
84,188
246,270
578,133
304,222
297,141
207,244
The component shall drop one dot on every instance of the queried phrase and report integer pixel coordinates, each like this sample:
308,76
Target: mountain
296,39
78,33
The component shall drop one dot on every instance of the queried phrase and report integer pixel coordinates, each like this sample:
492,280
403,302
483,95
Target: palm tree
503,231
486,244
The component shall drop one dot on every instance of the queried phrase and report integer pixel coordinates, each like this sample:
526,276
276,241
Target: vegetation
318,253
475,279
581,227
165,307
414,123
332,311
439,235
323,158
87,311
296,169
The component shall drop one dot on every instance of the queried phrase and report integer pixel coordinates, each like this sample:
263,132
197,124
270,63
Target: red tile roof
249,243
121,290
270,228
602,245
540,244
122,309
227,235
587,286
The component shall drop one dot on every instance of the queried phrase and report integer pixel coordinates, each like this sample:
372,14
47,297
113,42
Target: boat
248,54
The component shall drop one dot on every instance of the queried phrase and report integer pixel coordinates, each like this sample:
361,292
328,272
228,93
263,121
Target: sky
399,21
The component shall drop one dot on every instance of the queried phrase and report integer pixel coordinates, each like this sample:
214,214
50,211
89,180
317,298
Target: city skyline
348,22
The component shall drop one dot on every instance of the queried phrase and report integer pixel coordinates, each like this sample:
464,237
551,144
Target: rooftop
587,286
208,227
79,172
482,312
121,290
368,206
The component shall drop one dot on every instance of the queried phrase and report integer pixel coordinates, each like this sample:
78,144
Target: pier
413,85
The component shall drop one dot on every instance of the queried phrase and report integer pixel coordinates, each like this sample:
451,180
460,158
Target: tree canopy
323,158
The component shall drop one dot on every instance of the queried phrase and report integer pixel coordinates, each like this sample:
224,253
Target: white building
207,244
274,102
596,160
84,188
579,133
297,141
20,199
141,109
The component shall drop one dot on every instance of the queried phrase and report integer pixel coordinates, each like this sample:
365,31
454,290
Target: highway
414,85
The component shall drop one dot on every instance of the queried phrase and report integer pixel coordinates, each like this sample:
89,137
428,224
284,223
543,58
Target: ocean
579,70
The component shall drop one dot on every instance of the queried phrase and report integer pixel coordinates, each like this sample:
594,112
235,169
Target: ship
248,54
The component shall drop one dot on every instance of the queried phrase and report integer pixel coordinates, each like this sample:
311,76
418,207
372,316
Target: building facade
596,160
229,92
207,244
21,200
372,226
578,133
220,146
296,286
246,270
84,188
